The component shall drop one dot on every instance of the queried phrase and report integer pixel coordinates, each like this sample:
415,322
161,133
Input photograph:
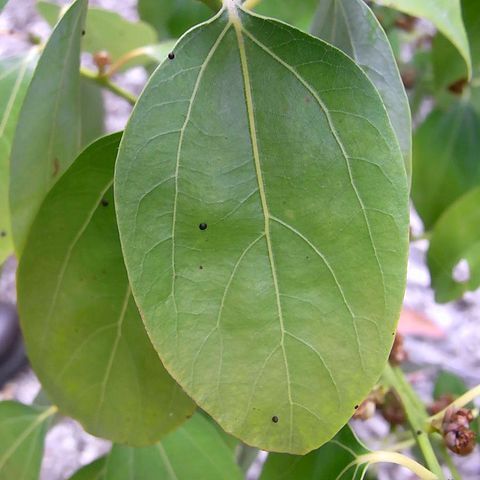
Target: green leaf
93,471
351,26
22,432
93,112
263,211
448,64
2,4
84,335
337,460
448,384
299,14
172,18
47,138
193,451
456,238
445,153
106,30
446,15
15,75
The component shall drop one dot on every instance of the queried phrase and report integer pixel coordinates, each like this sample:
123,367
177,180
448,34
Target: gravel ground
68,446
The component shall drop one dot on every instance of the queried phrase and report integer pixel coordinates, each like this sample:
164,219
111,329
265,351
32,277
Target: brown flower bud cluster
398,355
457,434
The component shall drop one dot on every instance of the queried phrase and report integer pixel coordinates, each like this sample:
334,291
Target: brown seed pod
442,402
392,409
460,441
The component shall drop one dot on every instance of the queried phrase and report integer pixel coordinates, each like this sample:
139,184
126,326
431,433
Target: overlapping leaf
446,15
445,152
262,206
337,460
448,63
351,26
456,241
295,13
172,18
106,30
193,451
47,138
22,433
83,332
15,75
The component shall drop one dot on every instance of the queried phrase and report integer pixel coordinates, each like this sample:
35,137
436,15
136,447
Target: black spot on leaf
202,226
275,419
3,233
171,56
105,202
355,407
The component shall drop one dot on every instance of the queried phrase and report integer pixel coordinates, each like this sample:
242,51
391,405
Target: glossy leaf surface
47,138
106,30
22,433
456,241
337,460
351,26
446,159
92,113
73,293
262,205
15,74
172,18
446,15
194,451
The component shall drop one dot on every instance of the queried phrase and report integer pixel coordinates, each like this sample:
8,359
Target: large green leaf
172,18
193,451
83,332
15,74
445,159
351,26
446,15
92,113
22,432
2,4
456,237
47,138
299,14
448,64
106,30
93,471
337,460
262,206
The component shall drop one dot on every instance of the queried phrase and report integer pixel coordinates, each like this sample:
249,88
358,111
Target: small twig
416,415
106,83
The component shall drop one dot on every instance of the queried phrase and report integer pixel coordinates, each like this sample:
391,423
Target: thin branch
106,83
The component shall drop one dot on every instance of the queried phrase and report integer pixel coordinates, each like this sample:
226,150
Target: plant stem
416,414
106,83
215,5
451,466
398,459
250,4
460,402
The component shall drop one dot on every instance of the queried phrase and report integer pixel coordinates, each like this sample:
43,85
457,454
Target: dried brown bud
460,441
392,409
458,86
398,354
456,418
102,60
366,410
442,402
405,22
408,78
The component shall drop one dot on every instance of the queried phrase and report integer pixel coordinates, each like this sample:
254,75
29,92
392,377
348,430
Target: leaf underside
22,433
193,451
47,138
83,332
351,26
262,206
